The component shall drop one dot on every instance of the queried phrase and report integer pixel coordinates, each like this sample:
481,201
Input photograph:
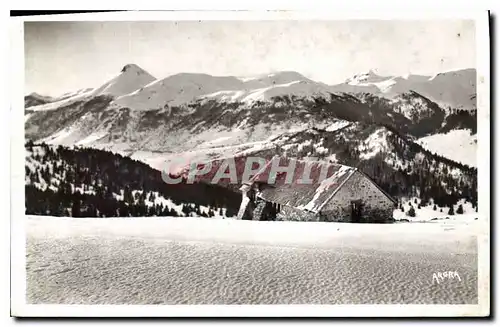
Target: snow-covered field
427,213
225,261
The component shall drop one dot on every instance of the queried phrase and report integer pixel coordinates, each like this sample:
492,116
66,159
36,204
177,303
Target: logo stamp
439,277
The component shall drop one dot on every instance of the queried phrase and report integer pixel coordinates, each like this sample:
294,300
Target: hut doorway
356,211
265,211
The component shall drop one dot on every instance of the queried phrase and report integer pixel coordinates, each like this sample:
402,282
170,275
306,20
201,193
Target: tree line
95,183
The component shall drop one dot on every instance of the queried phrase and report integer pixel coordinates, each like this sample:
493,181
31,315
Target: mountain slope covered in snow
35,99
130,78
450,90
459,145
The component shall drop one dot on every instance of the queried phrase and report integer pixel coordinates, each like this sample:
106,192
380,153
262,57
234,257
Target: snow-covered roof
325,179
312,184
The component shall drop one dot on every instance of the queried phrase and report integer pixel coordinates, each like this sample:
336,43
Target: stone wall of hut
263,210
292,214
376,206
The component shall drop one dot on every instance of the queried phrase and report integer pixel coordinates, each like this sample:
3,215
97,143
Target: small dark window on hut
356,210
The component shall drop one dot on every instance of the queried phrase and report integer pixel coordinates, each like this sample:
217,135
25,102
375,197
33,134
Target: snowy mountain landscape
383,126
134,108
100,153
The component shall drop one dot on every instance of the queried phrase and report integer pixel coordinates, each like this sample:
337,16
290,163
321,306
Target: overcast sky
66,56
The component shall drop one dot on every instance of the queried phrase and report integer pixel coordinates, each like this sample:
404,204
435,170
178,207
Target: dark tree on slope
127,195
450,211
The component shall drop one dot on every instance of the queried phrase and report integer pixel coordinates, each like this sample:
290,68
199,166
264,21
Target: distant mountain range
136,112
135,88
451,90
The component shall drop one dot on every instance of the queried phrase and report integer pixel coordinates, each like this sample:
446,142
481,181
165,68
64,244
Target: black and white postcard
250,164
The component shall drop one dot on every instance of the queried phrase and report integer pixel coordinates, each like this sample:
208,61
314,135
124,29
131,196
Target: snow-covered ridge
369,79
455,89
131,78
260,94
337,125
175,90
411,105
125,125
79,96
72,94
374,144
135,88
128,80
366,78
188,87
40,97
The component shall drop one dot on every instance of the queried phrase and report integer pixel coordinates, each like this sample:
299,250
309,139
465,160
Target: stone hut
334,192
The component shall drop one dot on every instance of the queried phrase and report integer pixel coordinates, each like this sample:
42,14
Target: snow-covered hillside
202,117
458,145
65,101
35,99
129,79
463,211
216,144
415,107
453,89
134,111
175,90
383,83
73,93
298,88
137,89
184,88
154,261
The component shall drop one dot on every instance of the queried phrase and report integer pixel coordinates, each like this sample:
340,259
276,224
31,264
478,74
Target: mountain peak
131,68
35,95
131,78
366,77
287,75
128,67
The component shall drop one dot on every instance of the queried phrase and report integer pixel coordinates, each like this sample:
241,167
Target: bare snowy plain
226,261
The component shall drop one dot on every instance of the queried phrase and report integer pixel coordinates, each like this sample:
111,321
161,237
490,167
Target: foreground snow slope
196,261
